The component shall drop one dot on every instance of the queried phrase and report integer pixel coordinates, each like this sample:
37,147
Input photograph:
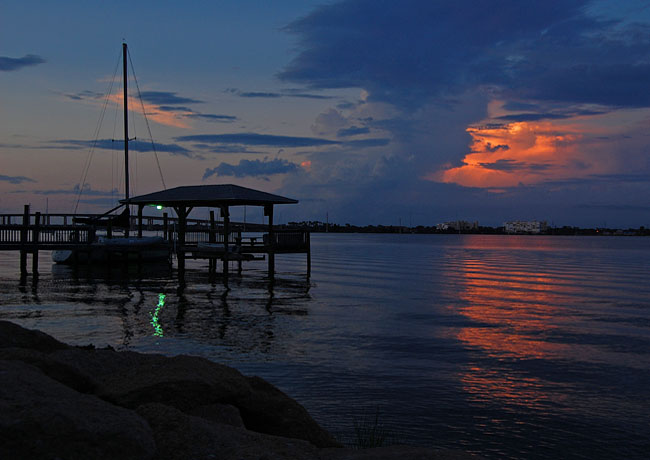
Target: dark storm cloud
265,140
110,144
15,179
254,168
406,53
8,64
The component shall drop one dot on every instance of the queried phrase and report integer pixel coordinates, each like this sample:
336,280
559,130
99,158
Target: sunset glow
520,153
154,112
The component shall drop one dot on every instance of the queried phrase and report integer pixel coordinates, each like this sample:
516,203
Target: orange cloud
519,153
154,113
532,152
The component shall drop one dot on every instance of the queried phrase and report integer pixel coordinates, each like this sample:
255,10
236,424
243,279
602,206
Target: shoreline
62,401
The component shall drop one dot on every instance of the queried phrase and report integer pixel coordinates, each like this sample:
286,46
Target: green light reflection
157,327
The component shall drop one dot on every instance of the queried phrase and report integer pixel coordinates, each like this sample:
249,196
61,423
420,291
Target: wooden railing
39,230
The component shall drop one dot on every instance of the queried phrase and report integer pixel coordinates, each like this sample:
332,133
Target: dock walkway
201,239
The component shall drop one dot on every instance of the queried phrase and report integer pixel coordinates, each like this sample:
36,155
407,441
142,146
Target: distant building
458,225
518,226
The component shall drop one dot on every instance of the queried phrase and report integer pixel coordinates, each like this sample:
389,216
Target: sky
369,112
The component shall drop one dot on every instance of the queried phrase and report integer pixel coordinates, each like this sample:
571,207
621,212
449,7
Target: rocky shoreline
66,403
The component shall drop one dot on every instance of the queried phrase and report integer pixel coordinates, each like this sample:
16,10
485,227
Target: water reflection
155,320
130,307
530,321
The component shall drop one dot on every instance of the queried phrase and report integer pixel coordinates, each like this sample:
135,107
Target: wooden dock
194,238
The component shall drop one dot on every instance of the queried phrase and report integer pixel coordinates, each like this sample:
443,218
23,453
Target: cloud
409,52
362,143
512,165
212,117
167,98
352,131
87,191
111,144
275,95
254,168
532,117
445,82
262,140
8,64
164,107
15,179
493,148
84,95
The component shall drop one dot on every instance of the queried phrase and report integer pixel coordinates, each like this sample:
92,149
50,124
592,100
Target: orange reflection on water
513,308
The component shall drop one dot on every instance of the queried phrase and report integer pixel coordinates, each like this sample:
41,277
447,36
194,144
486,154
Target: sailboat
141,249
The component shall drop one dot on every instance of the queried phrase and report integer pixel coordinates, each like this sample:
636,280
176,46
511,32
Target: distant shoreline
319,227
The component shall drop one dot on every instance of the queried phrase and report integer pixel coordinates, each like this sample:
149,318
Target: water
511,347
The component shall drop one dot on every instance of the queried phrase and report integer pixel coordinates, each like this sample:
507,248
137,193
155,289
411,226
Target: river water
508,346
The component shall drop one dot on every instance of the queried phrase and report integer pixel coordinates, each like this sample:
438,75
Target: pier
185,238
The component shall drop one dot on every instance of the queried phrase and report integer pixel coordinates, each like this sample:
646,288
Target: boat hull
146,249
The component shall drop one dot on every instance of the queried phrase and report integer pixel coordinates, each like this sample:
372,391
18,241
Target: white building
519,226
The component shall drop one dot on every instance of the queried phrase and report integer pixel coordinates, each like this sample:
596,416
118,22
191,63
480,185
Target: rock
56,369
268,410
41,418
183,382
189,383
396,453
220,413
181,436
62,402
15,336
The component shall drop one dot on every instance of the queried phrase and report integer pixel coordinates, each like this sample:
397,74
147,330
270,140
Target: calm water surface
512,347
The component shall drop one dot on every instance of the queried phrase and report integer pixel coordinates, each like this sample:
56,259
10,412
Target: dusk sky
368,111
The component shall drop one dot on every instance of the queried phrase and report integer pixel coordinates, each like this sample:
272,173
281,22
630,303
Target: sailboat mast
126,124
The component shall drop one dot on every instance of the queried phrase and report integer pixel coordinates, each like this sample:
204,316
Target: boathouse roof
209,196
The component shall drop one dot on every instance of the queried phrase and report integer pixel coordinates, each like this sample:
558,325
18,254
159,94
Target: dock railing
30,233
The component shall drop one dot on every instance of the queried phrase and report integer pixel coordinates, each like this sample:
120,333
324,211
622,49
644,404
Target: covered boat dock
223,245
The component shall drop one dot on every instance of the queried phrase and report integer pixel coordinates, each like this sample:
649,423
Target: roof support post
182,213
212,238
225,213
268,211
140,206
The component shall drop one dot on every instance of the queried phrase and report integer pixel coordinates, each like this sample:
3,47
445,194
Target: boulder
190,383
184,382
220,413
268,410
41,418
396,453
63,402
181,436
63,371
15,336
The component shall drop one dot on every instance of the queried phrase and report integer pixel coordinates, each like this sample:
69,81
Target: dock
186,238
